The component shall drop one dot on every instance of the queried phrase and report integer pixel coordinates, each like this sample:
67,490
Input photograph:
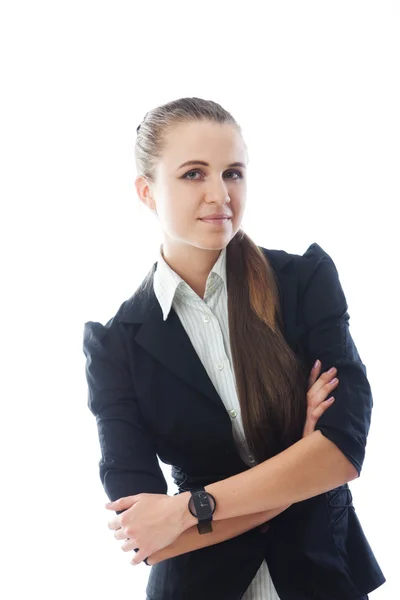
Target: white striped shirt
206,323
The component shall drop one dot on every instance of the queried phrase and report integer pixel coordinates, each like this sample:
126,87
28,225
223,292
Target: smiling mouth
216,220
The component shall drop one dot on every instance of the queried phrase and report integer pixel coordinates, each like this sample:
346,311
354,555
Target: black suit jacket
152,396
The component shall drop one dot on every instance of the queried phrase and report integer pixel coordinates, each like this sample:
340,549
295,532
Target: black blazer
151,396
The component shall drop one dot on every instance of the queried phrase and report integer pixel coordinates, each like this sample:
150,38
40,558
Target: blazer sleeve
346,423
129,463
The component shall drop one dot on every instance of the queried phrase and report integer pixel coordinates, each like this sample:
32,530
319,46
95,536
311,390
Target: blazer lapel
167,340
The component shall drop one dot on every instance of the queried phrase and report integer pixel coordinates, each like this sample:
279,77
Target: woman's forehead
203,143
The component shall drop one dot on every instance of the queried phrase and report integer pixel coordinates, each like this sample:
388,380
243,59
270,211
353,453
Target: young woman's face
182,195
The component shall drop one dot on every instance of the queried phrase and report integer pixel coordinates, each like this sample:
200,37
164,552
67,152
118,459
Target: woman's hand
318,396
149,522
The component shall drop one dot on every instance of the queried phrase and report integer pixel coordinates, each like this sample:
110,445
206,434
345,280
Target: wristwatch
202,505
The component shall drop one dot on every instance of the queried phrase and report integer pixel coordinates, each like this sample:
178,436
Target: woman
209,367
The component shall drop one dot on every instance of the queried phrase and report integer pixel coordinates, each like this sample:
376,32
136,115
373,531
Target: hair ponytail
270,379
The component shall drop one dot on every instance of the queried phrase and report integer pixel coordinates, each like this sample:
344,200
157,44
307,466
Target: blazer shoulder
310,260
314,271
320,290
97,336
306,262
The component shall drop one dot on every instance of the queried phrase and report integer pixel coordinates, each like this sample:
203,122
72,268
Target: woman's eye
238,173
186,176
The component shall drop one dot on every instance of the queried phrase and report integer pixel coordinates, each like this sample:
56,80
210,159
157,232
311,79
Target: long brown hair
270,377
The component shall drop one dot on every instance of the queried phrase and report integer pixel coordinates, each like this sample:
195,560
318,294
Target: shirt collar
168,284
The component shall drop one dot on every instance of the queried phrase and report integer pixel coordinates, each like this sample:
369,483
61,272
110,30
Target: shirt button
220,366
206,318
233,413
251,459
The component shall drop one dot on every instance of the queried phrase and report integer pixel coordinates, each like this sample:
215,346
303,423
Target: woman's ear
144,193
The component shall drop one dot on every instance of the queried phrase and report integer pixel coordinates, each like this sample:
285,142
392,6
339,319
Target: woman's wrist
185,517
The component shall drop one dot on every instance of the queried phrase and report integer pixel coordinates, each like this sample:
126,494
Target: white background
315,87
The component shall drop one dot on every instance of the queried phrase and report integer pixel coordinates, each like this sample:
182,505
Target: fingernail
332,369
331,399
334,380
316,364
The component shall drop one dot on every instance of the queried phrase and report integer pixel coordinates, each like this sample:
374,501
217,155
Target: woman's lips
216,221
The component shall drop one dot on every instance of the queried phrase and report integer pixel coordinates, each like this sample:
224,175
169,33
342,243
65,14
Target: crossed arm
309,467
224,529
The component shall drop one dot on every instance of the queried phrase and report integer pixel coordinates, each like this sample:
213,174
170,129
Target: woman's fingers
319,411
120,534
314,415
314,374
321,389
319,395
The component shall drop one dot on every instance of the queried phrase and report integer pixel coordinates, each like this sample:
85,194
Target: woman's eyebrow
201,162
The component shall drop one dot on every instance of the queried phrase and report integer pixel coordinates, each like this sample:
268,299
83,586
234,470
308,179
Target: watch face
202,505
